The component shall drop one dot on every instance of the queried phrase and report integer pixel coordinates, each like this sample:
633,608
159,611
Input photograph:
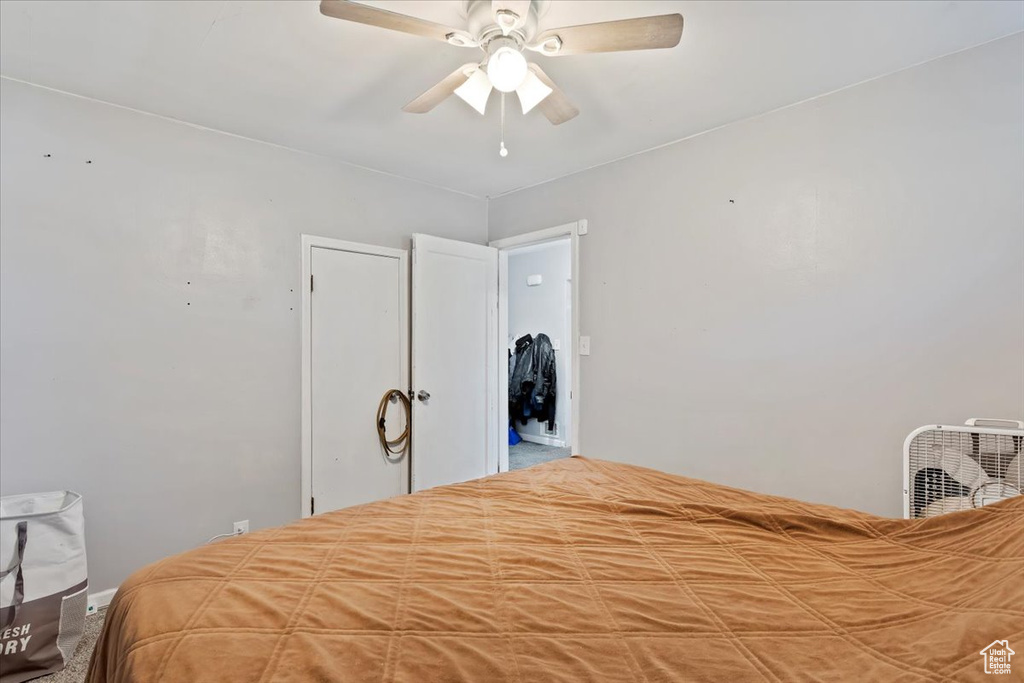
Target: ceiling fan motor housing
482,20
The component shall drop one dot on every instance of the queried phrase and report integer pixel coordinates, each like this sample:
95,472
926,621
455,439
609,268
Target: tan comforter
580,570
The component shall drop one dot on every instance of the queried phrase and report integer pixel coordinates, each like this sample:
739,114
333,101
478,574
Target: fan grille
951,469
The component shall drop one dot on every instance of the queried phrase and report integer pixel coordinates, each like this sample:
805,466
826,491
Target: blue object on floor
513,436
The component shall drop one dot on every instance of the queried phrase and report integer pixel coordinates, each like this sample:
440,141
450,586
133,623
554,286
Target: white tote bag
43,583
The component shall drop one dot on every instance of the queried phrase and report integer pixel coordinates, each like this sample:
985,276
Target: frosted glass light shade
475,91
532,92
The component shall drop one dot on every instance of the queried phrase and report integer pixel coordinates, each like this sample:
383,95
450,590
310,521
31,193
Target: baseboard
98,601
543,440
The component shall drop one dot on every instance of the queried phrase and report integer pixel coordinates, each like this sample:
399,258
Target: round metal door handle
423,395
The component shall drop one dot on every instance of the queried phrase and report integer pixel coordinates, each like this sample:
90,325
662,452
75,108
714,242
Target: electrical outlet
242,527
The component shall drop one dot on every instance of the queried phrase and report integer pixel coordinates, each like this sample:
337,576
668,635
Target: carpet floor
527,453
75,671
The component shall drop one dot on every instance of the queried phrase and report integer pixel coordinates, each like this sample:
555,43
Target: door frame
309,242
573,231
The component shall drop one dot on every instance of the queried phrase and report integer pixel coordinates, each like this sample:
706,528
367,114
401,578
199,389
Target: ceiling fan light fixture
503,29
532,92
475,91
506,68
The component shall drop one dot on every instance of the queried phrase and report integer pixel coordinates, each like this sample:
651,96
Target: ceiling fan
504,29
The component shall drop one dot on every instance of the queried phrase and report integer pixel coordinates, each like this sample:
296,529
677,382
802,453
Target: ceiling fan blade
372,16
556,106
440,92
642,33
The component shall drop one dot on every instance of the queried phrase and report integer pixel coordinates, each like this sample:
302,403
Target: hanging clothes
545,386
533,381
520,384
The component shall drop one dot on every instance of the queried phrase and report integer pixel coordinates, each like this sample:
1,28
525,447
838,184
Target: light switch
556,345
584,346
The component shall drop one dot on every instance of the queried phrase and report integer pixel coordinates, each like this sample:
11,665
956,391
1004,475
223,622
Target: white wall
532,310
777,303
150,300
867,278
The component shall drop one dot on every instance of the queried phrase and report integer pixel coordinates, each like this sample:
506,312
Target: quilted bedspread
580,570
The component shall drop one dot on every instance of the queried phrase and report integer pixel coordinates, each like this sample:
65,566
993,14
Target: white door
358,344
454,368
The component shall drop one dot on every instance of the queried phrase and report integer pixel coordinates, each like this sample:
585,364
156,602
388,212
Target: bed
579,570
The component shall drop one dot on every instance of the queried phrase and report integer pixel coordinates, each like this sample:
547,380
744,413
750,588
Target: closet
539,352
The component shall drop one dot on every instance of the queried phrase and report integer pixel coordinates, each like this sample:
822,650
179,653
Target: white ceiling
283,73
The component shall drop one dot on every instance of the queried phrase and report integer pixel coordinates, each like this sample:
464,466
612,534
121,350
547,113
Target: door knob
423,395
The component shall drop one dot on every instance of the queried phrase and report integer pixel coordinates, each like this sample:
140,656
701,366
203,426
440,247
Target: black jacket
533,386
521,379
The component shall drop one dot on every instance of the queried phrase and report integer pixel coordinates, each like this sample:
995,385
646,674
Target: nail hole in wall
47,156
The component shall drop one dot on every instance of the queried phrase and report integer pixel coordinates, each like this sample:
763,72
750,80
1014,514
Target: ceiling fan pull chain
501,150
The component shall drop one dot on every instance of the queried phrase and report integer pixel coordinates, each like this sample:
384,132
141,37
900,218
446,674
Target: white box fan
949,468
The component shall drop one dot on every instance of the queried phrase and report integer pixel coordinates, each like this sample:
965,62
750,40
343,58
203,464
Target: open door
455,427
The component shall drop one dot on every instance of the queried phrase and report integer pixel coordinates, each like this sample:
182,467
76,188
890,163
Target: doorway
538,330
444,342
